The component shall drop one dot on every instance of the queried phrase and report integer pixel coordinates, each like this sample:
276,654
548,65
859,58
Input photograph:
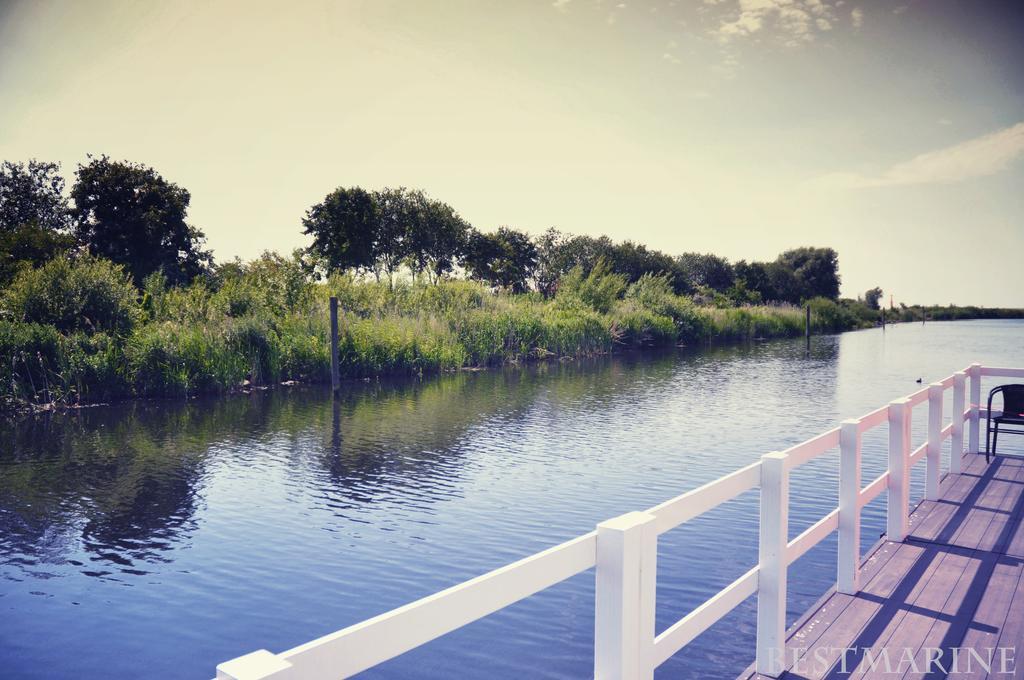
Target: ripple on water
173,536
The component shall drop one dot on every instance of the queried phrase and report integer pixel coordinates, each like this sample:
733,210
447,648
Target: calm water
159,538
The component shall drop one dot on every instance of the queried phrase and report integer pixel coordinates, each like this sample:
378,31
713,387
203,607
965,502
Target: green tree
33,193
34,216
447,238
707,270
344,227
75,294
873,297
554,261
817,270
397,209
435,235
129,214
505,258
772,281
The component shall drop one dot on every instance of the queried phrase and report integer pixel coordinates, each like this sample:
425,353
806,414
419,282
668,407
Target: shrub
173,359
830,317
29,361
75,294
637,326
599,289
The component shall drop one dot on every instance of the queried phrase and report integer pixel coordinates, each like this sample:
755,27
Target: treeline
107,291
380,232
129,214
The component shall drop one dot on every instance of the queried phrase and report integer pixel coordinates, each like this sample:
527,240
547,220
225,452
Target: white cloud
978,157
561,5
857,17
795,21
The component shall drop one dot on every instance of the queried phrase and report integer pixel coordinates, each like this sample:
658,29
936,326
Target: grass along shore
77,331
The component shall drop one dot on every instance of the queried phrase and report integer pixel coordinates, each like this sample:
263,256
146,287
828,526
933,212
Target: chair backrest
1013,400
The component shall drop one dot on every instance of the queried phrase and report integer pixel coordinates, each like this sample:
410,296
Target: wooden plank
857,625
984,505
941,595
981,630
873,419
813,535
874,489
933,516
675,511
679,634
812,448
366,644
807,631
1010,539
1003,372
1006,518
892,614
1012,632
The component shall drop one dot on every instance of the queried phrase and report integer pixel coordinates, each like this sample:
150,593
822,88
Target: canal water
156,539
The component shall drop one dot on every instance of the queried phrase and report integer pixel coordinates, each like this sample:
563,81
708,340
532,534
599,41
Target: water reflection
173,535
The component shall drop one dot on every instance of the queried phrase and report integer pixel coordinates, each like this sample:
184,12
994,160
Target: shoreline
26,410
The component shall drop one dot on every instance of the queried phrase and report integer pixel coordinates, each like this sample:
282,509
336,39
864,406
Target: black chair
1013,414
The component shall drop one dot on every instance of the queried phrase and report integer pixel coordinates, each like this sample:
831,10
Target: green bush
83,293
830,317
171,359
599,289
637,326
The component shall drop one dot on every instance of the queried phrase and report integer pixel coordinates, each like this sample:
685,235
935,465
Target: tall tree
773,281
817,269
446,240
504,258
344,227
706,270
34,216
398,208
33,193
873,297
554,261
127,213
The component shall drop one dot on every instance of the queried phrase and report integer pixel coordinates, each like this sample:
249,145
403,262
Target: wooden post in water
335,378
883,318
807,326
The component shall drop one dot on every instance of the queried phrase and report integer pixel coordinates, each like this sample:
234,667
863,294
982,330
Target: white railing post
975,372
261,665
627,553
773,562
956,445
899,469
933,454
848,574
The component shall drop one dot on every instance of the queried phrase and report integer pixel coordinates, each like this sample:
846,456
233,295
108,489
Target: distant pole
335,379
807,326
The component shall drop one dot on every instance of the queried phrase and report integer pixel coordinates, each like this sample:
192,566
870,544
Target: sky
890,131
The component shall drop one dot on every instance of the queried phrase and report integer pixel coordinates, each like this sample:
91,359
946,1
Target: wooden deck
955,584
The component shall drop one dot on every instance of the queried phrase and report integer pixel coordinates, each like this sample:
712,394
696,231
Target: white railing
625,549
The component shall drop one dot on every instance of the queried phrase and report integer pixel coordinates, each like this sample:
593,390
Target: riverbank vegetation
110,294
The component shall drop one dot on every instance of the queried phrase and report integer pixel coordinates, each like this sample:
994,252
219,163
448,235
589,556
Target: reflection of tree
124,483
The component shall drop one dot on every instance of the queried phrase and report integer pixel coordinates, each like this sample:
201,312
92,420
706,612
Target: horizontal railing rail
624,551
